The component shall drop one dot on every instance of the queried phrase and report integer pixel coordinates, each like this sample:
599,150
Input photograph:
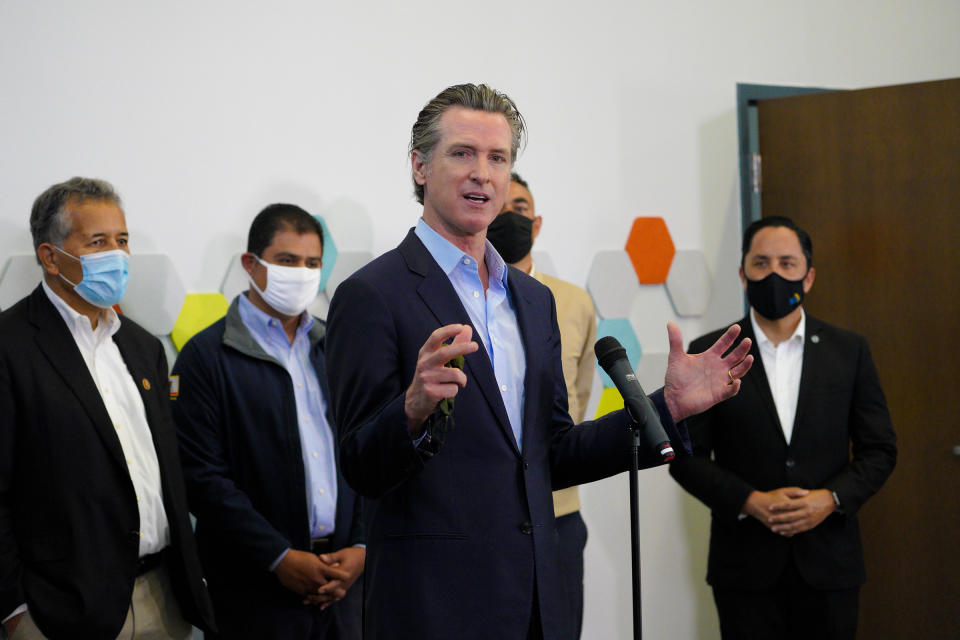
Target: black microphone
613,359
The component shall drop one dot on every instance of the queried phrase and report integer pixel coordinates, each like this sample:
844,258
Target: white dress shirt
783,364
125,408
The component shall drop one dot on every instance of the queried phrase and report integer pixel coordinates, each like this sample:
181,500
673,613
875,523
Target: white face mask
290,290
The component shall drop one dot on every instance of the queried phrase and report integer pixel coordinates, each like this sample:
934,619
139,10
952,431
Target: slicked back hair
480,97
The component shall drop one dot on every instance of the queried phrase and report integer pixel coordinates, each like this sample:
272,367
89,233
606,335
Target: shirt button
321,527
320,491
466,261
116,426
315,454
526,528
299,386
128,461
476,294
503,387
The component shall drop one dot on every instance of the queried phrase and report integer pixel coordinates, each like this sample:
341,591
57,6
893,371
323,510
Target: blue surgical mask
105,276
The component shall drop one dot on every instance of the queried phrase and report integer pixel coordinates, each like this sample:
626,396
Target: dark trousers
572,532
256,615
792,609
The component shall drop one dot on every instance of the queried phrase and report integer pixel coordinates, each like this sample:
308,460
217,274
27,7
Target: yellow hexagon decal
610,400
199,311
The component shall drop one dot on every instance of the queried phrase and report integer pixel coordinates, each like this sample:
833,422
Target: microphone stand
635,529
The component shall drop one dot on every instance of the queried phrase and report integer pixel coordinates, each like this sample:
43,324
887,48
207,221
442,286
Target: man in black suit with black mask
795,455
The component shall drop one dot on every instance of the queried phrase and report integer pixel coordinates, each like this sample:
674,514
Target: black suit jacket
458,543
69,524
841,410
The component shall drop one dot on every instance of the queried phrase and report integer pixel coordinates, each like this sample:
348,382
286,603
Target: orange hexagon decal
650,249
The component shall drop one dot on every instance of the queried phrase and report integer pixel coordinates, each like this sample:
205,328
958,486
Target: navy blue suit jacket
458,544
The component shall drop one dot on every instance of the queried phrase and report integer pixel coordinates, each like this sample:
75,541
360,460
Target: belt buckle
320,545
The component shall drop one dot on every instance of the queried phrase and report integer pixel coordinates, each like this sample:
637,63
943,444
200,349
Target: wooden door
874,176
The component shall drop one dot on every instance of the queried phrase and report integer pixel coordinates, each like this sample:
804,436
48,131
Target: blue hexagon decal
329,253
620,329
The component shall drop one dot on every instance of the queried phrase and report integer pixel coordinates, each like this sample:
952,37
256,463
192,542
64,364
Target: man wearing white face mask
95,537
279,531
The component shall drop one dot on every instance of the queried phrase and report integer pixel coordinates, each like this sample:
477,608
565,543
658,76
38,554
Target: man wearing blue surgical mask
279,531
794,456
95,537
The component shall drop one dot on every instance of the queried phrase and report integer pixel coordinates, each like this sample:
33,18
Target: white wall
201,112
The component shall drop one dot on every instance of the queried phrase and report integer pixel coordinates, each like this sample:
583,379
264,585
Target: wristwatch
836,500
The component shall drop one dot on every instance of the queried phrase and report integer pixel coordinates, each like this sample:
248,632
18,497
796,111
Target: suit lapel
142,371
811,365
525,320
55,341
757,377
441,298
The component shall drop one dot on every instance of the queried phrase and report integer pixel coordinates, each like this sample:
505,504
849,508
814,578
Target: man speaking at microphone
459,464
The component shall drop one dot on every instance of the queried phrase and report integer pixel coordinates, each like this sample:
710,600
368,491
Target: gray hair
426,130
49,221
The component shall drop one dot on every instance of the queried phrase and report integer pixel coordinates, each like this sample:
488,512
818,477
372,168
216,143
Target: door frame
748,144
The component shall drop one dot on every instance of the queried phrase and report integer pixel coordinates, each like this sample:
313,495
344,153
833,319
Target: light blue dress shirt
316,437
492,314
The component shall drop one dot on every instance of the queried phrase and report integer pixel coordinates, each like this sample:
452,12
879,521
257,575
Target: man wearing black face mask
512,234
785,484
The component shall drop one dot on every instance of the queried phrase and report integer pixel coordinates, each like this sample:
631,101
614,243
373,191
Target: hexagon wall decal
649,315
21,275
329,254
612,283
651,370
610,400
620,329
199,311
689,283
650,249
155,293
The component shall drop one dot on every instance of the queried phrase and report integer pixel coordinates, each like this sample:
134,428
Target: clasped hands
790,510
323,579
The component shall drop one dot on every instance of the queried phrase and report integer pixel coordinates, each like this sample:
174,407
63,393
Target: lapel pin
146,384
814,339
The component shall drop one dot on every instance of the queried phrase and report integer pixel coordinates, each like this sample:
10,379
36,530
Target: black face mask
511,234
774,296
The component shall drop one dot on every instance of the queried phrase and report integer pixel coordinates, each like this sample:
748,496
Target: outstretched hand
696,382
